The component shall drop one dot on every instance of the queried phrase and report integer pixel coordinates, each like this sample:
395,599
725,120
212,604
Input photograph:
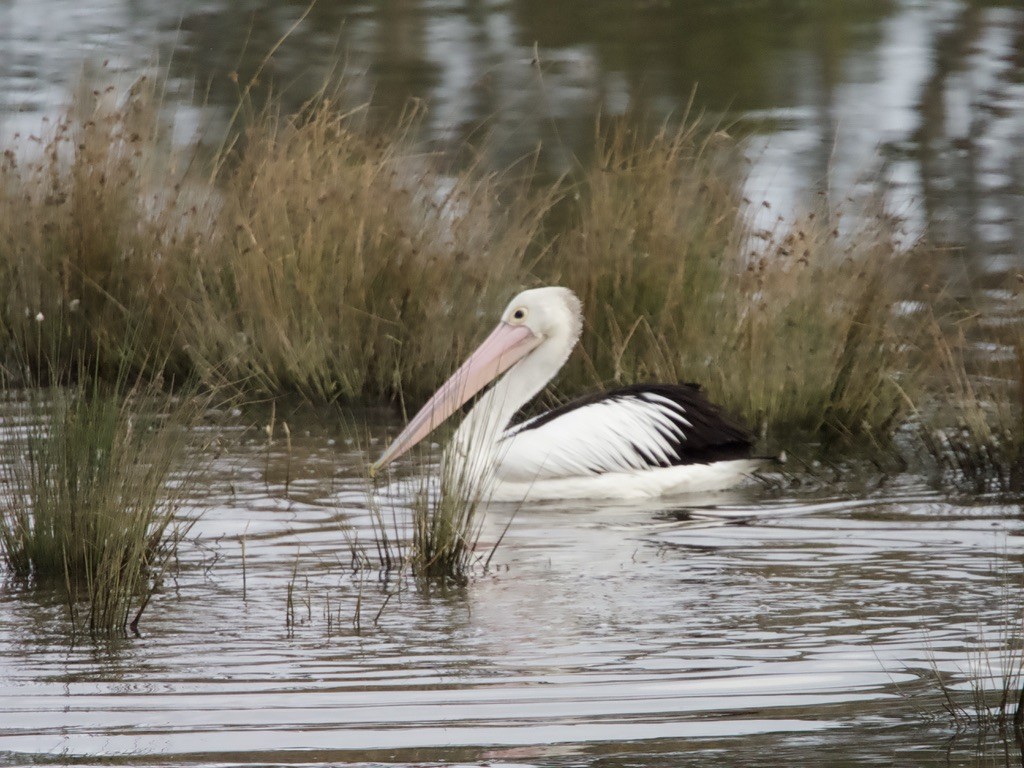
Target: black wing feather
703,433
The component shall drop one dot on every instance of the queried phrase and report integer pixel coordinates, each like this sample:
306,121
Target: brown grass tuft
82,267
347,265
973,427
793,327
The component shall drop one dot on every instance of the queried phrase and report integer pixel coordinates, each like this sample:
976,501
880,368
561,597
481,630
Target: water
801,624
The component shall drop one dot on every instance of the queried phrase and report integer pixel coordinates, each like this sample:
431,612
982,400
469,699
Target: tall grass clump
91,478
346,265
84,238
794,326
829,336
446,528
447,524
973,427
436,531
436,536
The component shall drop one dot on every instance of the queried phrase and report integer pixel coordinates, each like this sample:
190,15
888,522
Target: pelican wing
624,430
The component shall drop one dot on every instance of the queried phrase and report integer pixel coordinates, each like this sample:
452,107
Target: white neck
474,450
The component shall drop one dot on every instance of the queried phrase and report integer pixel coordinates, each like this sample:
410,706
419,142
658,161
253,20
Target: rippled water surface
766,624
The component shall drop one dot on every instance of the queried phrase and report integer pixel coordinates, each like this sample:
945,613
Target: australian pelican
640,441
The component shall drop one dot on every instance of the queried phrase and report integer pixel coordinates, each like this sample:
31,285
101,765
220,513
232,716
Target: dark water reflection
746,628
929,96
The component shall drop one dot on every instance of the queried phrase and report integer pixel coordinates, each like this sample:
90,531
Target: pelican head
541,324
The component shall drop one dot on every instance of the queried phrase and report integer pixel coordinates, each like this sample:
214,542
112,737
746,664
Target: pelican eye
519,315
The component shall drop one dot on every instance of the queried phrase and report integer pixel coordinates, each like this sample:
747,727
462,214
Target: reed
973,427
390,536
426,527
427,522
793,326
341,264
84,237
92,478
311,256
989,693
446,526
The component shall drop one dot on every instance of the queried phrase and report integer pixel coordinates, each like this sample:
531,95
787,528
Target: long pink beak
507,345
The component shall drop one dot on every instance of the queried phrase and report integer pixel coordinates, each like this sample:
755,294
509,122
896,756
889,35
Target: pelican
640,441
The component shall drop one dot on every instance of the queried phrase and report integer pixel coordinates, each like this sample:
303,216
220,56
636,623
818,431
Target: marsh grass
426,521
973,429
447,526
433,532
390,537
92,478
822,341
309,257
792,326
314,257
345,265
83,239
